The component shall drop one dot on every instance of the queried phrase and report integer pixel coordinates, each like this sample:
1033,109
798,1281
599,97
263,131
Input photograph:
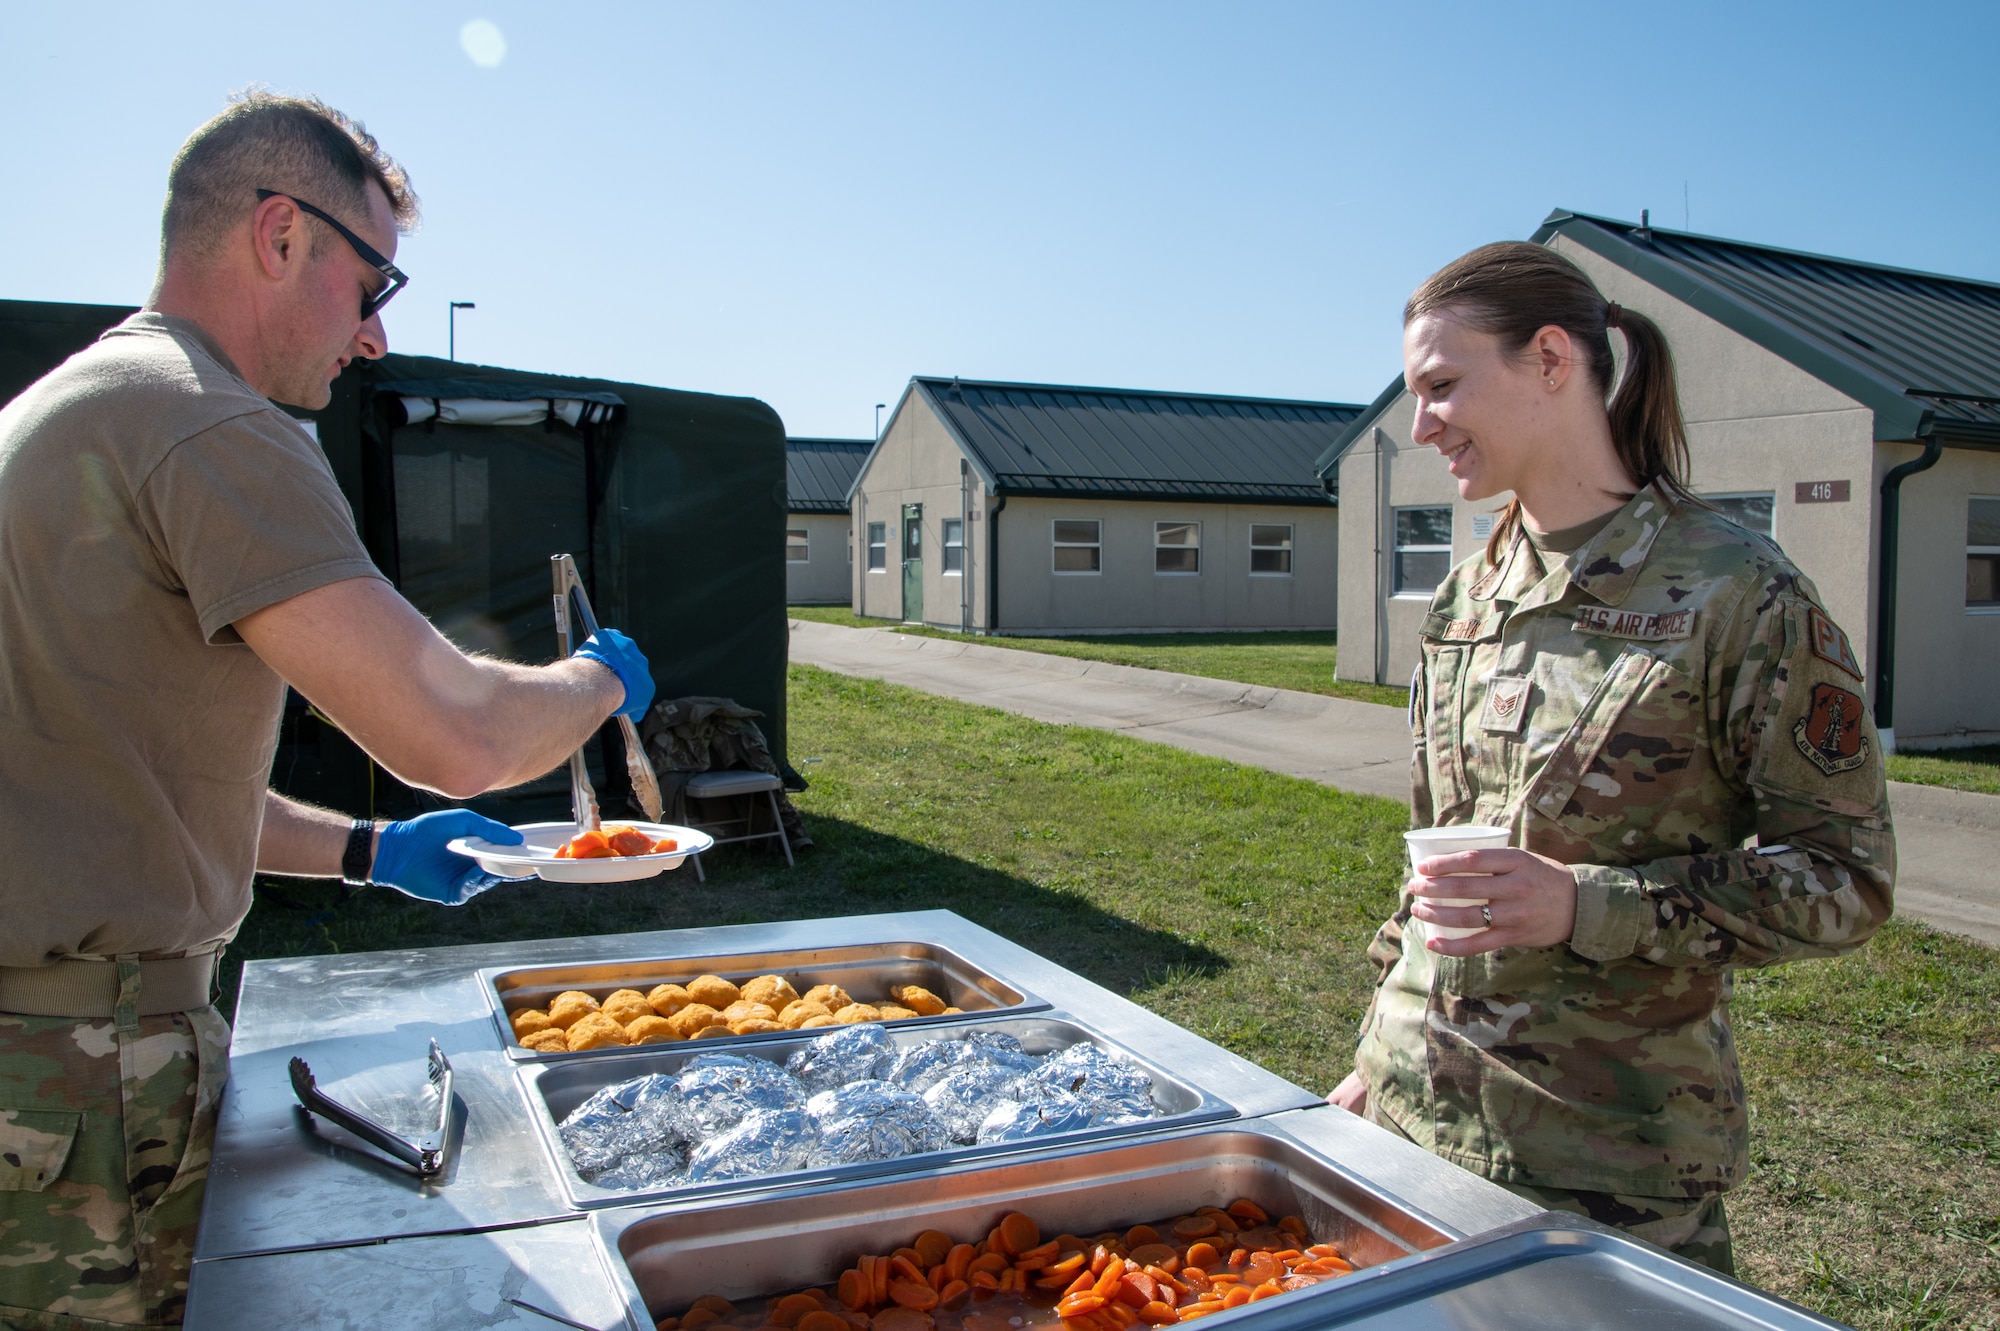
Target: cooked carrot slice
954,1294
666,845
1137,1289
1293,1225
878,1280
902,1319
628,841
1018,1233
992,1262
1067,1267
821,1320
1158,1314
932,1247
1140,1235
1203,1255
959,1260
696,1318
1247,1212
1169,1287
666,1323
1262,1267
1076,1305
1037,1257
1120,1314
1239,1259
1237,1296
1270,1289
1299,1281
562,853
788,1310
902,1268
1202,1309
1190,1227
854,1289
1111,1277
913,1294
983,1280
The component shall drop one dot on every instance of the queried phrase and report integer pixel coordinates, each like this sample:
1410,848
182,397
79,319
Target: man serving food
174,551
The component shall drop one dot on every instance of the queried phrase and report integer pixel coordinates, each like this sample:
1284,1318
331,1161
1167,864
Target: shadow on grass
852,871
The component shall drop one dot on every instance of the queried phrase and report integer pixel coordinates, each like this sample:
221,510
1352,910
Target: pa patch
1831,736
1829,644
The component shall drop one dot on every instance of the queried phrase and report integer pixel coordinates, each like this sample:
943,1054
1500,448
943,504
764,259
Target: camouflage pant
105,1129
1696,1228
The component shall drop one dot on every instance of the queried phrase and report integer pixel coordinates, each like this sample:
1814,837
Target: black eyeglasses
369,254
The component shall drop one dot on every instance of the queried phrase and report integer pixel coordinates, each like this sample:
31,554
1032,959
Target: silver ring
1486,914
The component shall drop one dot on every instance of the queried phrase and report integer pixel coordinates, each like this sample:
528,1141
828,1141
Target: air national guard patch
1831,737
1829,644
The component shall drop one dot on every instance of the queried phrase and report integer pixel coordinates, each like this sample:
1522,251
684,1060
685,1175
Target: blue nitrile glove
620,655
411,856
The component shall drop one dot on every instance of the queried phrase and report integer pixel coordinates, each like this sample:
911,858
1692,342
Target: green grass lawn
1302,661
1238,902
1976,769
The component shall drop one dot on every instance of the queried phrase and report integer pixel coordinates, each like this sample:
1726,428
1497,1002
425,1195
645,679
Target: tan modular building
1828,403
819,550
1043,509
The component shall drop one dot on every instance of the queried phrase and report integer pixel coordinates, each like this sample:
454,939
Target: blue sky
810,202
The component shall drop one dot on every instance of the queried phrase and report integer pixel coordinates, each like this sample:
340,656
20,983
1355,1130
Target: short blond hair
298,146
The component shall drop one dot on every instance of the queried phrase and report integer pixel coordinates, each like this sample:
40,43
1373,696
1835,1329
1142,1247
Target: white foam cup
1448,840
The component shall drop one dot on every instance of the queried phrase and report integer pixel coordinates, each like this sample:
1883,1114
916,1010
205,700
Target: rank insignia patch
1506,703
1831,736
1829,644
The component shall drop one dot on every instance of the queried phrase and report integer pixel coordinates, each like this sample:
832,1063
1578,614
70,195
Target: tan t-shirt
149,498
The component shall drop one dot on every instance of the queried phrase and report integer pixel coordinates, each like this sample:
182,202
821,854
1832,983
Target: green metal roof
1920,350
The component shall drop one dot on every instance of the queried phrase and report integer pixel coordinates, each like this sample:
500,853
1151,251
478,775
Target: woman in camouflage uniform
1657,705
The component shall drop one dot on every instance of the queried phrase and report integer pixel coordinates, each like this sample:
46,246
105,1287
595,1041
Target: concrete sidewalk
1948,840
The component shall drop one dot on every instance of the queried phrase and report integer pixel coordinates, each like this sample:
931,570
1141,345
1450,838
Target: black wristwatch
358,859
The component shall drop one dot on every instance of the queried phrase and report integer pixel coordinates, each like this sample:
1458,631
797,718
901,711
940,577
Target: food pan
556,1088
749,1248
865,971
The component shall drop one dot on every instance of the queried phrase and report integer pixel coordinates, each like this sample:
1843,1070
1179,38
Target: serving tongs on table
645,785
425,1155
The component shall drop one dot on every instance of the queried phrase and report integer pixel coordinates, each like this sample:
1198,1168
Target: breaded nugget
832,995
668,999
693,1019
529,1020
627,1007
713,990
952,1012
773,991
570,1007
754,1026
854,1013
554,1040
650,1029
744,1010
596,1031
815,1022
712,1032
894,1012
795,1014
918,999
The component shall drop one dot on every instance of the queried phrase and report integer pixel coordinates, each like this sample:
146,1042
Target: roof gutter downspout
1885,596
993,565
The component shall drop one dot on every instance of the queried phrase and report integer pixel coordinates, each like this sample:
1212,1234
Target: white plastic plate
537,854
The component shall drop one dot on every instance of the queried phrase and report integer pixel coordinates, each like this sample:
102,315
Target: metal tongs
645,785
425,1155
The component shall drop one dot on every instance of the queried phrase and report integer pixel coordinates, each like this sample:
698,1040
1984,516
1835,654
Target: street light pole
452,337
878,418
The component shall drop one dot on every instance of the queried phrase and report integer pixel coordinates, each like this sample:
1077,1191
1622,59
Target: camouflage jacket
1642,709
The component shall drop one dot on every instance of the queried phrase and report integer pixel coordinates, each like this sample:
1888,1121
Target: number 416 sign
1820,492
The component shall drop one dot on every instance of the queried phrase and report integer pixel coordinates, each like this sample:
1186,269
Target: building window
1177,547
1270,550
1751,511
878,546
1078,545
1982,554
954,547
1423,550
796,549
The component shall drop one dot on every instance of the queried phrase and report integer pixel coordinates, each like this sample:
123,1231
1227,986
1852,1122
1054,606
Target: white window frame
1194,572
803,545
948,528
1979,607
878,539
1290,548
1397,550
1771,495
1097,545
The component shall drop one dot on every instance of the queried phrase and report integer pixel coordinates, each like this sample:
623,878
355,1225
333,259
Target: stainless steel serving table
307,1227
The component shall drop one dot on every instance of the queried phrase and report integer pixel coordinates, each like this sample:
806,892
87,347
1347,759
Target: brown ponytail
1513,290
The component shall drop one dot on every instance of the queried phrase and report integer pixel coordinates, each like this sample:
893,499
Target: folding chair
723,785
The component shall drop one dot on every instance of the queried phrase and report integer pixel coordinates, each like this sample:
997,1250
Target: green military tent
465,479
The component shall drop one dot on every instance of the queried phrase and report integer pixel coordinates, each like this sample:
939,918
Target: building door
913,563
